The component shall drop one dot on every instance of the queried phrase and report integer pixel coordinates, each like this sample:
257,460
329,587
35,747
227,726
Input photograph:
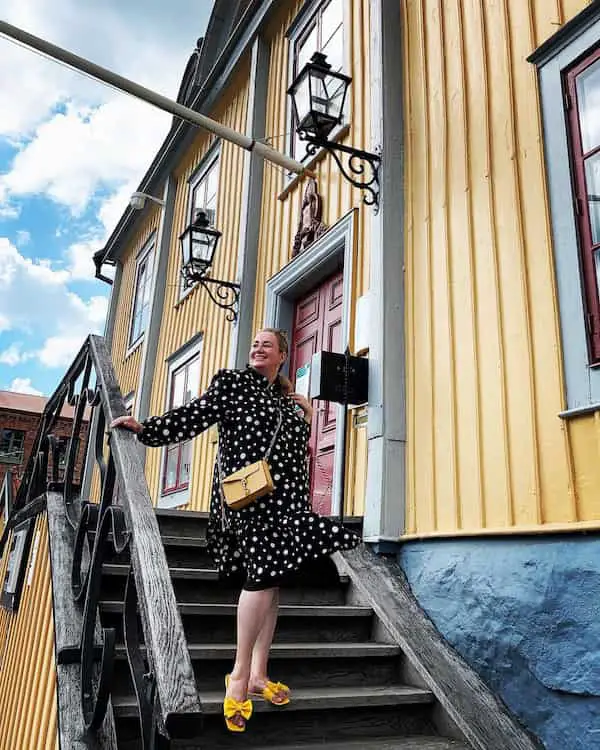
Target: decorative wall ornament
310,226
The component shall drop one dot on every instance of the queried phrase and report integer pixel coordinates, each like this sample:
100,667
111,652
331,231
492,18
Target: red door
318,326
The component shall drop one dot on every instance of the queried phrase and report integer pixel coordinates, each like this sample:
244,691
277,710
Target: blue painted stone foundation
525,614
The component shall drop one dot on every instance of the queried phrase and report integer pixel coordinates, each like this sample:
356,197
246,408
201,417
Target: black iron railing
163,678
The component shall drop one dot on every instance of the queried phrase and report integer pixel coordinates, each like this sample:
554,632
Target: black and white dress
270,540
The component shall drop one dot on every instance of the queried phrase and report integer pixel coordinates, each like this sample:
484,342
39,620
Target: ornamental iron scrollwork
362,169
226,294
100,533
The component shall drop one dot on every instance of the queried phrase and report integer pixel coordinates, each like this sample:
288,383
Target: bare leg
253,608
262,647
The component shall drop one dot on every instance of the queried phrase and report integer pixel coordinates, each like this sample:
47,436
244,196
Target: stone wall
525,613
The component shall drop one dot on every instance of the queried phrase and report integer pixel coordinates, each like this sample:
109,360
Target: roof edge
178,132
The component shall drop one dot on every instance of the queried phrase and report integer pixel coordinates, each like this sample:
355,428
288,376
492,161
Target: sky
71,153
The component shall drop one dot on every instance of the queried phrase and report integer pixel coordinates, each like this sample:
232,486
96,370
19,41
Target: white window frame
175,362
554,58
211,159
295,32
145,253
9,462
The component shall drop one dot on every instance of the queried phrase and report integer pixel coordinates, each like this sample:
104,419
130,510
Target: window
568,66
583,104
12,443
143,289
324,32
204,187
184,385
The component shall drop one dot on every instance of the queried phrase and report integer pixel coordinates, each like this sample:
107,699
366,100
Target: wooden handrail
172,706
163,629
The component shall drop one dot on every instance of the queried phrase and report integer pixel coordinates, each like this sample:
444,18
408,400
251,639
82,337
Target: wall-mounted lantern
198,246
318,95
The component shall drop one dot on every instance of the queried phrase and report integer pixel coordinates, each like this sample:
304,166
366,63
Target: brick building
19,419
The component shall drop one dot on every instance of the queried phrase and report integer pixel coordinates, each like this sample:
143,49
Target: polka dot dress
270,540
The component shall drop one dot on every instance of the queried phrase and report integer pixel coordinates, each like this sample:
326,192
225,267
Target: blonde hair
284,346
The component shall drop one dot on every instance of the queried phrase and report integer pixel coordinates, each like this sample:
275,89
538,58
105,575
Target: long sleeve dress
270,540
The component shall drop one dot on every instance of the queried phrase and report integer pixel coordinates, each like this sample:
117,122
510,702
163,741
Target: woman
271,540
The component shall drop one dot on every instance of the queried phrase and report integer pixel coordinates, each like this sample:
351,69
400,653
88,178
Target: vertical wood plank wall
127,363
27,674
196,313
280,216
487,450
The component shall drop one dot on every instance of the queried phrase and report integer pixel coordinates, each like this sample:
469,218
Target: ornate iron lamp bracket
226,294
361,164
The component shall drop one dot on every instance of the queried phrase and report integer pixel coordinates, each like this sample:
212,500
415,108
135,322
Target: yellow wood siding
486,450
196,312
127,363
280,215
27,672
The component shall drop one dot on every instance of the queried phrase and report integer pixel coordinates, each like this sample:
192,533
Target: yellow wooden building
472,290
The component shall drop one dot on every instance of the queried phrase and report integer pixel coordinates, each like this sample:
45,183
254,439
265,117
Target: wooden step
401,743
186,523
315,715
200,584
301,665
215,623
181,552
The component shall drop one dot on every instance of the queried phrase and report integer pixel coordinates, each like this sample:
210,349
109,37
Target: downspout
109,327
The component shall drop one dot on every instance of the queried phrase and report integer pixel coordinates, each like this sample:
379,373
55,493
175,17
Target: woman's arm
185,422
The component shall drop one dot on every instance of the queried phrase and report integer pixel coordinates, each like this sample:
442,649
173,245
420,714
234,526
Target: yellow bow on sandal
233,707
270,690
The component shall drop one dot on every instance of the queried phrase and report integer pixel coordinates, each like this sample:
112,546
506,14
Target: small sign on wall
17,565
303,380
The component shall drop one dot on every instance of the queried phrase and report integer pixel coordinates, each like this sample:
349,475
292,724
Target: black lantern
318,97
198,246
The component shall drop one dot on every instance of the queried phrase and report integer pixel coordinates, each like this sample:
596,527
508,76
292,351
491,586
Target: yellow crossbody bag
247,484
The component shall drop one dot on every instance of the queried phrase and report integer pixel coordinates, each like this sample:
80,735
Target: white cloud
23,385
80,151
13,355
36,301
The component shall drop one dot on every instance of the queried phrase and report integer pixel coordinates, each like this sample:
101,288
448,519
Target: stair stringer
68,624
466,704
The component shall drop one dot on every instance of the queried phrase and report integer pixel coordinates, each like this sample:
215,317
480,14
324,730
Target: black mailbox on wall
327,377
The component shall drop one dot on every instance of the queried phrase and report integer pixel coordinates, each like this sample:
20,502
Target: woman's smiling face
265,354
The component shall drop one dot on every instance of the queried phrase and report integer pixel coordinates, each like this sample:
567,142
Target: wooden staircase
348,690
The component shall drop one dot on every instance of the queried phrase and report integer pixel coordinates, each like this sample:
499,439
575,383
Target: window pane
588,99
178,389
332,18
11,446
304,50
193,380
334,50
171,468
212,183
184,467
592,179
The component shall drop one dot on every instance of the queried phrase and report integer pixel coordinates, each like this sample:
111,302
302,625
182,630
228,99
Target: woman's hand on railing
127,422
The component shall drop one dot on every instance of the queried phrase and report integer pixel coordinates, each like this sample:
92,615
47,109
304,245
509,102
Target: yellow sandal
270,690
233,707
